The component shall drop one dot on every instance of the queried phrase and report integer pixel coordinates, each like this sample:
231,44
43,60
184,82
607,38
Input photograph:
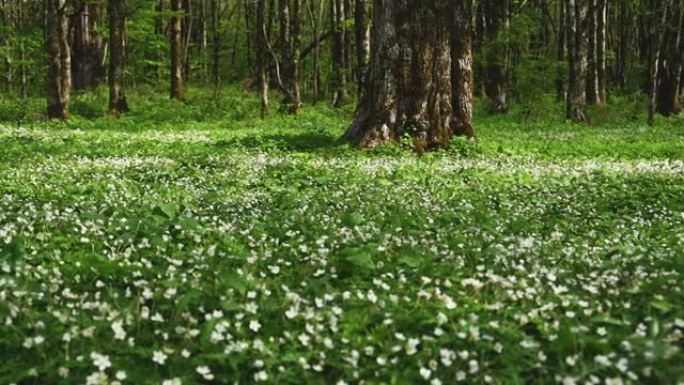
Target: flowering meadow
267,253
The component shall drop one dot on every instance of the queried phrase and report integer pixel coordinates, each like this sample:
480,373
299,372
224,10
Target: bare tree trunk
291,42
262,55
59,60
408,92
560,54
497,22
216,43
177,88
339,70
116,10
577,22
623,47
462,75
601,50
87,46
316,16
592,54
187,27
4,41
362,25
669,74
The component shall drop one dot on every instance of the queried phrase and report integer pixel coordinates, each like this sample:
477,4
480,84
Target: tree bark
362,33
87,46
601,50
176,36
291,48
262,55
59,60
560,53
577,21
672,55
116,10
592,54
497,22
462,74
409,88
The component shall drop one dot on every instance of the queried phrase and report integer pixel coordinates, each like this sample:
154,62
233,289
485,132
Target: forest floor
193,246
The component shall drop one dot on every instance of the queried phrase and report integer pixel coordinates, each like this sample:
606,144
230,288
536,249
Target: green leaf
359,258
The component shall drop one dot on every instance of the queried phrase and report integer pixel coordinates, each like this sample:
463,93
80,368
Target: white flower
119,332
173,381
121,375
205,372
425,373
100,361
254,326
412,346
260,376
159,357
97,378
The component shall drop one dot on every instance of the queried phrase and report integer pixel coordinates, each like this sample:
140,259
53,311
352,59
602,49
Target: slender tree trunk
187,27
59,60
177,87
339,67
216,43
116,10
623,52
497,23
409,91
560,54
592,54
657,36
5,42
577,22
262,55
601,50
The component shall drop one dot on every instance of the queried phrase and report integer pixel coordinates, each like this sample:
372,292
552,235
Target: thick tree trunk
669,73
497,22
362,42
409,89
87,46
291,42
59,60
176,35
462,75
339,66
116,10
577,21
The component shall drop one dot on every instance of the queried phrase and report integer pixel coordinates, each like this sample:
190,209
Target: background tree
116,12
176,36
577,19
59,59
409,88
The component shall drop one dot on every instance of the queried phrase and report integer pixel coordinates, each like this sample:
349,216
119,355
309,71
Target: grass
190,243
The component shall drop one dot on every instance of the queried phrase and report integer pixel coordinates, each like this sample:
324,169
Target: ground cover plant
183,246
